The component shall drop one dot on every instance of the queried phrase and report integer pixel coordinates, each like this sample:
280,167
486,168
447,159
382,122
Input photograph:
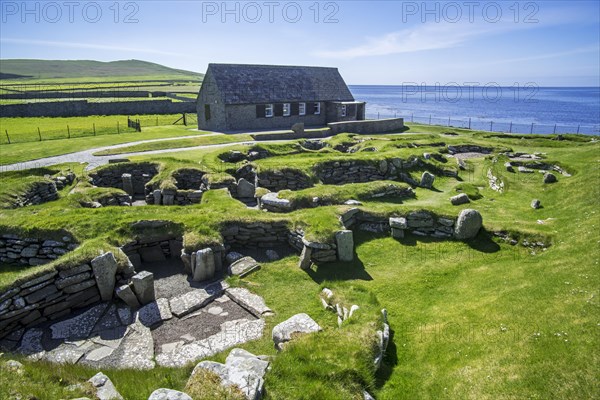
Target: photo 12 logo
470,11
270,12
69,11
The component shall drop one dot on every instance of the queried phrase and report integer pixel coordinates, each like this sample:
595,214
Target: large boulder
345,245
105,269
298,324
245,189
427,180
468,224
168,394
550,178
459,199
105,390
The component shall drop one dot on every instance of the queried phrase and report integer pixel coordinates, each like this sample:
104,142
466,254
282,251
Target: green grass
475,320
19,152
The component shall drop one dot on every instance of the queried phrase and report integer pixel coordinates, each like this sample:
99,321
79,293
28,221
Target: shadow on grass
390,360
339,271
483,242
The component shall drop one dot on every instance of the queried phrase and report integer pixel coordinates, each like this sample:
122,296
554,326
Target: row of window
287,109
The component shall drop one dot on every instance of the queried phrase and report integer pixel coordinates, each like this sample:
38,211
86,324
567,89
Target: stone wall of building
33,251
53,294
112,175
82,108
287,178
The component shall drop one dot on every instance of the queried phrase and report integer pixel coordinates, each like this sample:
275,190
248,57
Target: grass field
470,320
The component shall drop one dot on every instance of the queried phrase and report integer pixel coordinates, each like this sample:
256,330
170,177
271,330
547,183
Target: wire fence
488,124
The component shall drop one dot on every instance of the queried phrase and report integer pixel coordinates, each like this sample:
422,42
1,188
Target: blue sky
550,43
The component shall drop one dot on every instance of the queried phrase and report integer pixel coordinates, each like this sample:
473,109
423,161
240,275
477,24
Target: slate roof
252,84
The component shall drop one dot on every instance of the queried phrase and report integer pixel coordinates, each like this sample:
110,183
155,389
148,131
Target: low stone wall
276,180
81,108
112,176
33,251
320,252
169,197
420,223
54,294
153,249
40,192
188,178
256,234
368,126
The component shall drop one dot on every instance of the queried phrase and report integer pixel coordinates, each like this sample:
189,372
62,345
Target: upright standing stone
128,184
468,224
157,197
345,245
305,257
204,266
143,286
105,268
125,293
427,180
245,189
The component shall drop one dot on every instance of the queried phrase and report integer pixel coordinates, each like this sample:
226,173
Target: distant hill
69,69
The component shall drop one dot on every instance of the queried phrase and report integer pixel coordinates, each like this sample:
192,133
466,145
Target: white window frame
344,110
317,108
287,109
301,108
269,111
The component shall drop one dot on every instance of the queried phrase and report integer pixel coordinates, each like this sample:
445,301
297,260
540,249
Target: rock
157,195
550,178
138,348
245,189
398,223
459,199
155,312
127,184
125,293
190,302
168,394
149,224
509,166
249,301
244,266
427,180
14,366
233,256
397,233
305,262
105,390
383,167
105,268
143,286
535,204
345,245
272,255
367,396
78,327
203,265
272,201
468,224
298,128
298,324
352,203
525,170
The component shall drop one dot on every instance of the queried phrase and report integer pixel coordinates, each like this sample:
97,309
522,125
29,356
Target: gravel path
95,161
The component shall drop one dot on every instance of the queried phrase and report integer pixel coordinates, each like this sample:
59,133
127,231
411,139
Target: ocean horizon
523,109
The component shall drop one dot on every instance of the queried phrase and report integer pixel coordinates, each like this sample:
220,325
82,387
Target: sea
516,109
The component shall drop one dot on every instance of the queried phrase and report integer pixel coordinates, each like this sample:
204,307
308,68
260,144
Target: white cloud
92,46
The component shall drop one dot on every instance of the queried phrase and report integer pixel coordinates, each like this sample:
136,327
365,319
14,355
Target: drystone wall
81,108
33,251
113,176
276,180
153,249
57,293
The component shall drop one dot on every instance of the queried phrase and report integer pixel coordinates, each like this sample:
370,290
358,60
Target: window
207,112
343,110
317,108
269,110
302,109
286,109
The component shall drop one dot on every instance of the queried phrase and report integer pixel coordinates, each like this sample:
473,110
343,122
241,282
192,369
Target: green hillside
75,69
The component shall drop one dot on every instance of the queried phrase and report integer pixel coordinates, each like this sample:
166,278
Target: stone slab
155,312
190,302
249,301
78,327
244,266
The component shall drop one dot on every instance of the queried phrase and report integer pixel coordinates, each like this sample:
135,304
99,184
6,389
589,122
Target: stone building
268,97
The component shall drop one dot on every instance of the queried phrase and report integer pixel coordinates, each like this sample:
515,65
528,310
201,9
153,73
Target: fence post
510,129
68,132
469,123
377,114
184,120
448,121
118,127
139,125
531,131
7,137
39,134
554,128
578,126
491,126
94,127
412,117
